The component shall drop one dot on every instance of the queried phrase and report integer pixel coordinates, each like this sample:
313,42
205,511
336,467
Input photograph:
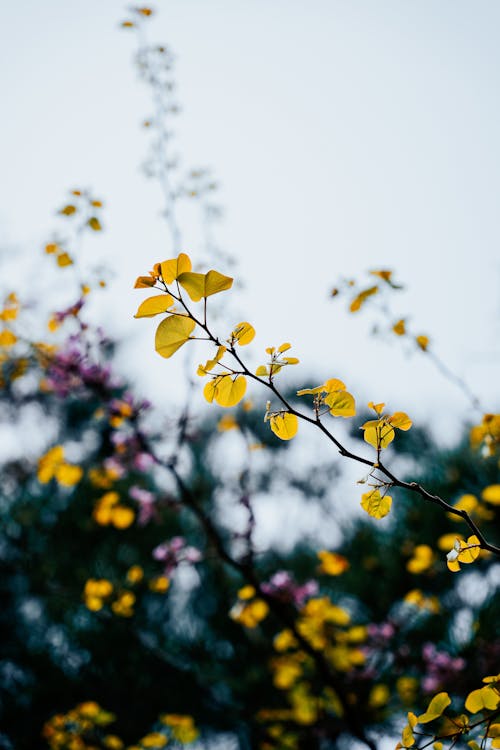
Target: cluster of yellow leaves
327,628
418,599
380,432
277,361
249,610
176,329
75,728
98,592
486,436
8,313
332,394
108,511
463,552
483,700
53,466
63,258
182,726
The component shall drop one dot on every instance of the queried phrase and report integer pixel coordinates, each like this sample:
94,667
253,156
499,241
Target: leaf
486,698
284,347
68,210
407,736
311,391
332,564
144,281
199,285
435,708
400,420
172,333
154,306
378,433
63,259
68,475
472,553
261,371
243,334
362,297
376,505
229,392
341,404
7,338
333,384
171,269
422,342
94,224
284,425
491,494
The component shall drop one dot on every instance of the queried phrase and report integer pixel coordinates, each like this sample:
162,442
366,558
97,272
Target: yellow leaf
378,432
362,297
172,333
290,360
64,260
122,517
453,565
435,708
94,224
341,404
376,505
472,553
332,564
486,698
211,387
446,541
199,285
68,210
400,420
284,425
466,502
68,475
229,392
422,342
172,269
210,363
491,494
7,338
243,334
333,384
154,305
311,391
144,281
261,371
399,328
284,347
407,737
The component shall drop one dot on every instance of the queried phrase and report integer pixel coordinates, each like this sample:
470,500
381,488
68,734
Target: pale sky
346,136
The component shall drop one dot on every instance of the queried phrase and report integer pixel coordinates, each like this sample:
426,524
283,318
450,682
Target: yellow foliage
199,285
485,698
154,306
243,334
435,708
284,425
491,494
171,269
225,390
375,504
172,333
332,563
423,558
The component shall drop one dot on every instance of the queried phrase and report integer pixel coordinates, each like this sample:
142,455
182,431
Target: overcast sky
346,135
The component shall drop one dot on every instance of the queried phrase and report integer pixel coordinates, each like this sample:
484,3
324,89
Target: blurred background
297,148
